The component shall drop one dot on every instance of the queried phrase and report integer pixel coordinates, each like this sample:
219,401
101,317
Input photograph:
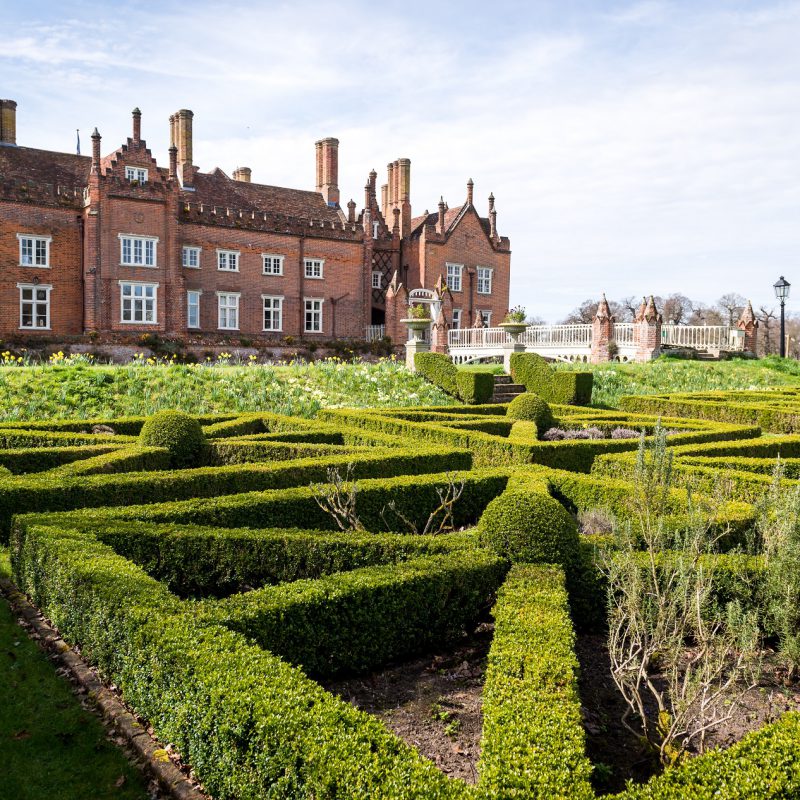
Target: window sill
143,266
314,278
24,328
35,266
272,274
220,269
272,330
135,322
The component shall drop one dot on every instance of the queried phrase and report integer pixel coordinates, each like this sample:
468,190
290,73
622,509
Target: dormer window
138,174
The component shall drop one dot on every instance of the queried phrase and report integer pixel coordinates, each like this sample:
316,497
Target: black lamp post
782,292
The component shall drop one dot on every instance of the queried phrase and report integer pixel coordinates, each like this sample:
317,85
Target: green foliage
538,376
531,408
177,432
353,621
474,388
439,370
529,526
533,739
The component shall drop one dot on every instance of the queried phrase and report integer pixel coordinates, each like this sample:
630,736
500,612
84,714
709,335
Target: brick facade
116,227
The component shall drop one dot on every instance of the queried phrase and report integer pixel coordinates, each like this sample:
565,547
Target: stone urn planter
513,329
416,325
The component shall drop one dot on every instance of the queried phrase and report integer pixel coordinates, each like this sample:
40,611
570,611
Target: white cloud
648,148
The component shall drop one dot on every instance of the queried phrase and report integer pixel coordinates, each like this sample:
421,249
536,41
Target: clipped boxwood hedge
439,370
474,388
554,386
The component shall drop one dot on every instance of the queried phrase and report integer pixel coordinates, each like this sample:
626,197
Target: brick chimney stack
328,170
404,194
96,151
441,215
137,125
492,217
242,174
173,162
351,211
8,122
470,187
180,127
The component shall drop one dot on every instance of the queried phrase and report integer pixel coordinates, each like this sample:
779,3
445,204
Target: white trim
277,256
48,240
376,273
238,296
228,253
154,286
447,265
137,237
199,293
186,248
312,264
34,286
279,298
457,312
490,270
321,301
136,177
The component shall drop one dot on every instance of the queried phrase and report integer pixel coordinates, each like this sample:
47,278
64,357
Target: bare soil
432,702
618,755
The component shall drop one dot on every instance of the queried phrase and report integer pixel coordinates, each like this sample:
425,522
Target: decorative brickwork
602,333
131,246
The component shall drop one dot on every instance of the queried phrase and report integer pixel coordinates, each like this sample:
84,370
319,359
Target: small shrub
474,388
179,433
529,527
624,433
531,407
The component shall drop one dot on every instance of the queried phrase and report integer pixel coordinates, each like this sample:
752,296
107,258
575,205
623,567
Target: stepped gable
217,189
450,216
44,166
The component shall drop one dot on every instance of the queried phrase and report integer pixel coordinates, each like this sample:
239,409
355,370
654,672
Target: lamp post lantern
782,292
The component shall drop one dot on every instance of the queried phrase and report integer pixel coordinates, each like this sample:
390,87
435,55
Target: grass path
50,746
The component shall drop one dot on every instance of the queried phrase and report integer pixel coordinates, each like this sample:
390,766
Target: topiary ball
529,527
530,407
179,433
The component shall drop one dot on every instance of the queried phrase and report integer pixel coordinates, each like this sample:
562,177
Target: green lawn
82,391
50,746
612,381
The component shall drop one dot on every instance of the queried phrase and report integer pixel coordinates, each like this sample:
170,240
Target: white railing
623,334
477,337
711,338
375,332
557,336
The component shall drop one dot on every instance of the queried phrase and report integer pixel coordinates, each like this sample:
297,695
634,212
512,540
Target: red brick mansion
114,244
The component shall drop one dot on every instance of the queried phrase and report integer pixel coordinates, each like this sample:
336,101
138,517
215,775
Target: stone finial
351,211
470,187
651,312
603,309
491,202
441,214
748,317
639,315
96,150
478,320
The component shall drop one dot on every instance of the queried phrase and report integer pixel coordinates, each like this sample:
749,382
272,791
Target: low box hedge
533,742
352,621
474,388
553,386
23,460
439,369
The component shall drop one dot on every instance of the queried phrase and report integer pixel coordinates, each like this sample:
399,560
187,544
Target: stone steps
505,390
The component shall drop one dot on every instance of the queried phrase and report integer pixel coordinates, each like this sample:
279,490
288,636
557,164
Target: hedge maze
203,578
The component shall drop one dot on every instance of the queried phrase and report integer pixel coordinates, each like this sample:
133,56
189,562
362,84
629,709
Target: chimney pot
327,159
242,174
137,125
470,187
441,215
8,122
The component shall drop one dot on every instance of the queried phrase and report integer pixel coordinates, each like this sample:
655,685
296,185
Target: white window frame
456,318
484,276
187,252
35,241
313,268
487,318
34,287
227,307
318,310
143,242
273,300
193,293
455,276
377,280
224,257
275,263
136,174
144,285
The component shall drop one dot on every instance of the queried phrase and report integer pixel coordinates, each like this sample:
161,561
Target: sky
633,147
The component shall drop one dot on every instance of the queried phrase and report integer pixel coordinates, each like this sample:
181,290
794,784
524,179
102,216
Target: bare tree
731,305
767,317
532,320
705,315
441,517
337,497
676,308
583,314
629,306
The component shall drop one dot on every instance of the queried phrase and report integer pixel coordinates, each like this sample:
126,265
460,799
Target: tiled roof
44,166
217,189
450,216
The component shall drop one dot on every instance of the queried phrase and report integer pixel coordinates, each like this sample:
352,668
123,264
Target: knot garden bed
215,596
